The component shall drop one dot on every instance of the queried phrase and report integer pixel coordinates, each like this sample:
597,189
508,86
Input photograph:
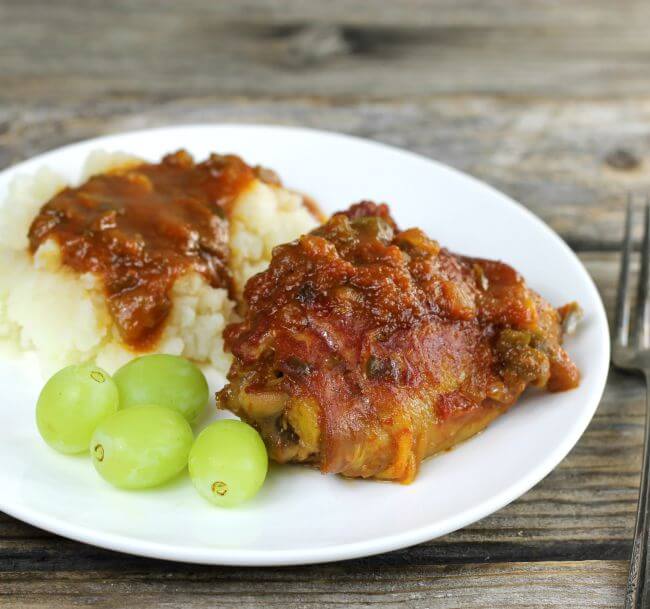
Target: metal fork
631,352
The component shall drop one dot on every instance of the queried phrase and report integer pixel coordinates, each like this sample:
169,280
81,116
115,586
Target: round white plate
301,516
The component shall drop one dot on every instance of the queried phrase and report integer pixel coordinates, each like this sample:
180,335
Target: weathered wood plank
80,50
507,586
562,159
56,555
549,101
448,13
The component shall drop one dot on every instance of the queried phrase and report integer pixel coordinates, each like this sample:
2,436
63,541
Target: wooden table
548,101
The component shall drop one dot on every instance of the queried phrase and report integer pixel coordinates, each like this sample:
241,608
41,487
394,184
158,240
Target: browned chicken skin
365,349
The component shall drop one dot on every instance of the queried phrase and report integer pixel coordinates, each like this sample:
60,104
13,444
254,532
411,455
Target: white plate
301,516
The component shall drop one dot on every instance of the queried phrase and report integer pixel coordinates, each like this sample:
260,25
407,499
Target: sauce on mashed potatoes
142,226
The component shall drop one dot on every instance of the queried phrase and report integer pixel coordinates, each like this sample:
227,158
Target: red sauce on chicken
364,348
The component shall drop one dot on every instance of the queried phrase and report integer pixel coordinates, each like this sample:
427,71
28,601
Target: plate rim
357,549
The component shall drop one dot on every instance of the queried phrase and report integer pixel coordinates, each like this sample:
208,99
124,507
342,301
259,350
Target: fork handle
635,596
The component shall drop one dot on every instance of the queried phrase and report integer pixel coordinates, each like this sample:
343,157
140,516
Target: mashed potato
62,315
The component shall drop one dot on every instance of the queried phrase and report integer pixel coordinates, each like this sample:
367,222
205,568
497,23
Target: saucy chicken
365,348
142,226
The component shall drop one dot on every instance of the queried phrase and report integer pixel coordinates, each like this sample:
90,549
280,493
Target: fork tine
642,335
623,302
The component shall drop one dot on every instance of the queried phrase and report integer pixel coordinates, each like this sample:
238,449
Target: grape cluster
137,428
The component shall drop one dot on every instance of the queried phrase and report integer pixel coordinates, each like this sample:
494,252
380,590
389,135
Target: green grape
228,462
166,380
141,447
71,405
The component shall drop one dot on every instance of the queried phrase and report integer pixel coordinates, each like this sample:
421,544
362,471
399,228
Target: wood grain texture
77,49
548,101
504,586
